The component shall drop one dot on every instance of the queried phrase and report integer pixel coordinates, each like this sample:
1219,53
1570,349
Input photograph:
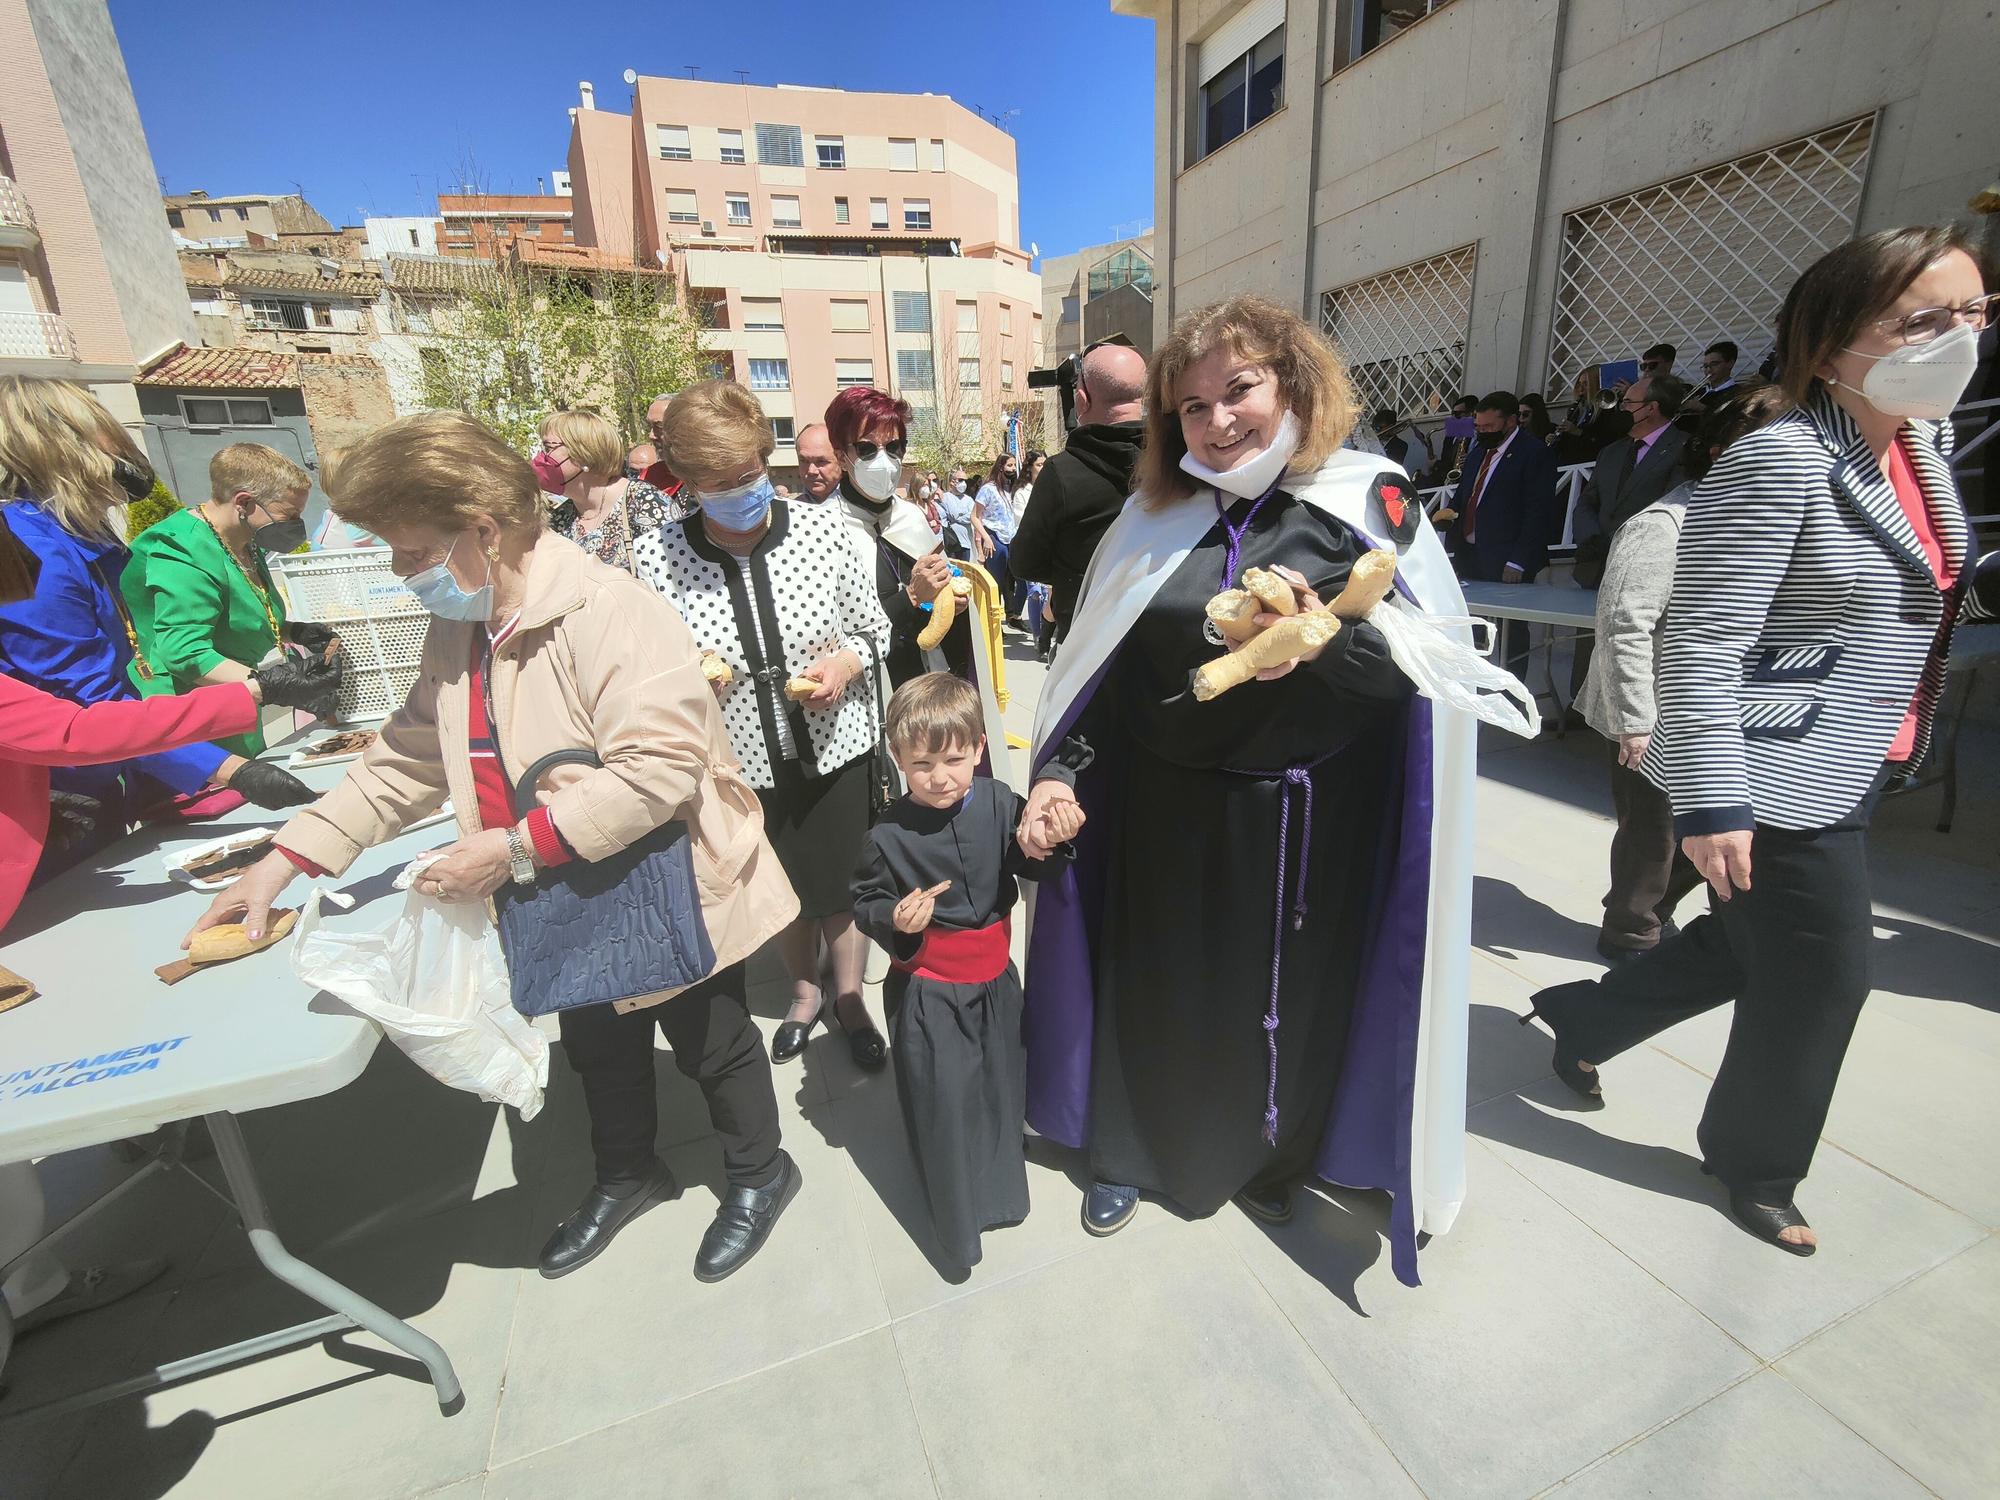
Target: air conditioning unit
708,226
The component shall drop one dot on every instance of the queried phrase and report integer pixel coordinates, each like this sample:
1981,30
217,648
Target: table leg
323,1289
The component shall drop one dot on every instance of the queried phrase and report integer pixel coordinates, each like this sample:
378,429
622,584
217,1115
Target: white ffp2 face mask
1921,380
878,477
1253,476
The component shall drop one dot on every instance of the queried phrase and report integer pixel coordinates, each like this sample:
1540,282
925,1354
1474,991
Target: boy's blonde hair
251,469
934,712
1312,384
58,445
714,431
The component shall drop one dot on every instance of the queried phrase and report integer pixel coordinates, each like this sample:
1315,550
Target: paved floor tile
834,1424
634,1329
1157,1368
1914,1374
1762,1437
319,1422
1532,1348
1631,1171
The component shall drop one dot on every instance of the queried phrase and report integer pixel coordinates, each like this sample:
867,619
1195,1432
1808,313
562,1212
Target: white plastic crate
380,623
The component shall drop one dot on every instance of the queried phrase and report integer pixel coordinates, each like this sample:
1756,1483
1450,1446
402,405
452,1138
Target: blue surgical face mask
444,596
742,508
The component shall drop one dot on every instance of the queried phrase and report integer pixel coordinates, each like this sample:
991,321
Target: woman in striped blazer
1820,568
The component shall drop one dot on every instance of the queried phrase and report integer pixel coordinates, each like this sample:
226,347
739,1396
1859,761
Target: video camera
1066,374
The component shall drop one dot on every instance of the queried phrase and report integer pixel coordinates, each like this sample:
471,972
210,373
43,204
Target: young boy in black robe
934,886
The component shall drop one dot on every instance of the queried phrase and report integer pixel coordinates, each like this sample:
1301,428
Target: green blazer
192,610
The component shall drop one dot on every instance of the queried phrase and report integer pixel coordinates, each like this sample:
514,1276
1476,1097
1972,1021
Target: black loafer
1108,1207
1767,1221
1270,1205
865,1044
1617,957
743,1223
791,1039
587,1233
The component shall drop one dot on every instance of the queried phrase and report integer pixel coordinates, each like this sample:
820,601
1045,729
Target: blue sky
372,107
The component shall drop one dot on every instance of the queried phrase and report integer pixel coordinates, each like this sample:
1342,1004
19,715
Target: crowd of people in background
648,648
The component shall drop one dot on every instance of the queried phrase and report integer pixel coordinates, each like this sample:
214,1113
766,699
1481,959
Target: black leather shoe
1568,1065
792,1036
1271,1205
743,1223
865,1044
1768,1220
1616,956
587,1233
1108,1207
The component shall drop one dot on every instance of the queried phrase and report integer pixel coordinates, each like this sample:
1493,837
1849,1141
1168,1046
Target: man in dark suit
1507,511
1631,473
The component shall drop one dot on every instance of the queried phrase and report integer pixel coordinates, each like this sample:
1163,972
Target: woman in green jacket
204,608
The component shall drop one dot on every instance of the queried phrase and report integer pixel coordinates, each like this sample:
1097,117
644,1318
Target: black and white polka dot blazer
813,596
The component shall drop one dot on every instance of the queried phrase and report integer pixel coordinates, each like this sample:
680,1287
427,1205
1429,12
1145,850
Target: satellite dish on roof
630,76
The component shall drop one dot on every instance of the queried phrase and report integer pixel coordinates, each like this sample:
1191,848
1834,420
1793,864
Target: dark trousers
715,1044
1792,952
1649,874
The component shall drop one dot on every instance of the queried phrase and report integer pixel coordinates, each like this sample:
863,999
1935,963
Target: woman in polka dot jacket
778,593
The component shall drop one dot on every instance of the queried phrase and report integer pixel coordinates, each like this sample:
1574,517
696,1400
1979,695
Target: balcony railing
18,230
34,335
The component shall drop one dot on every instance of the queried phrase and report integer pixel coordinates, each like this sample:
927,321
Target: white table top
1538,603
108,1051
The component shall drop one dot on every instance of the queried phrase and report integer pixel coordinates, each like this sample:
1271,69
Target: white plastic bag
434,979
1447,670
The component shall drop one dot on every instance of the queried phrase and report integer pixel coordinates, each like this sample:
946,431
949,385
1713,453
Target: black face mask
132,478
280,536
1491,439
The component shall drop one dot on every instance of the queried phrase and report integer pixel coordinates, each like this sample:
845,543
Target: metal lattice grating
1703,257
1402,333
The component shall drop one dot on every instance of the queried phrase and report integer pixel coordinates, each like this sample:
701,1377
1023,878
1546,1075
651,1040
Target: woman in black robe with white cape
1255,971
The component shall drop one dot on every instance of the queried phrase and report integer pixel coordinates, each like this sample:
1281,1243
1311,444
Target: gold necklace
257,589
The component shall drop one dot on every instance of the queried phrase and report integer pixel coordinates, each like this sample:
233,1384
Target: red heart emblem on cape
1394,509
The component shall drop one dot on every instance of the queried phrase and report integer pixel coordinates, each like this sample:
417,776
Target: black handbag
884,780
591,932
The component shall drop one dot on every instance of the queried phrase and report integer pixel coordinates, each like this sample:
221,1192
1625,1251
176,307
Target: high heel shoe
792,1036
1568,1066
866,1045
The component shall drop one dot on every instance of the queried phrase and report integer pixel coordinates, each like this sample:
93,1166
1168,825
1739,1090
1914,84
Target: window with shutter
730,144
902,155
913,312
780,146
674,143
913,370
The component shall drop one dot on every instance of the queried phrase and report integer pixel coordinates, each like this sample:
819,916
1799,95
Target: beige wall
1439,138
808,286
219,221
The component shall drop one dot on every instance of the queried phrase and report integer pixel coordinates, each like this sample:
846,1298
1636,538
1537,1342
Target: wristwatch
520,864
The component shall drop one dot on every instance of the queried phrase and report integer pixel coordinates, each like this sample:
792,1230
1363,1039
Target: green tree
142,515
517,342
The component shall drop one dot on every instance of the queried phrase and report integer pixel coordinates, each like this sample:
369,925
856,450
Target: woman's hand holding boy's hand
1061,823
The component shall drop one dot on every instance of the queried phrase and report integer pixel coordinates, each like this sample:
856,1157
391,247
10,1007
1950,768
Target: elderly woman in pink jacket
536,650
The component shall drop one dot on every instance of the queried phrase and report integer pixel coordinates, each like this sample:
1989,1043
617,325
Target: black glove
304,682
74,818
315,638
268,786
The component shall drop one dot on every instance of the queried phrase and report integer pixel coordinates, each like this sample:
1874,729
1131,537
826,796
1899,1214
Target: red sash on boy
964,956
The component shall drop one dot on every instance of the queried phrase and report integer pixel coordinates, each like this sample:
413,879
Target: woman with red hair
869,431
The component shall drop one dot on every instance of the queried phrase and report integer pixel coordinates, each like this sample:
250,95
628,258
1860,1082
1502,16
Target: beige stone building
89,289
1502,193
831,238
1096,292
243,219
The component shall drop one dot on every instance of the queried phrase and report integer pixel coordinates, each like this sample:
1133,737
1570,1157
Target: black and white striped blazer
1804,621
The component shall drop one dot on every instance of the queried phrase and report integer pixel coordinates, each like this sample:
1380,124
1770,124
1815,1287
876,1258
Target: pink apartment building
833,238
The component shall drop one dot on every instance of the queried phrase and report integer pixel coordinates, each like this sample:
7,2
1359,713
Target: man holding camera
1083,488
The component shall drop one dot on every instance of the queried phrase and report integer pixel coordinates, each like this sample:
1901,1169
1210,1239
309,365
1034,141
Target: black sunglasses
865,449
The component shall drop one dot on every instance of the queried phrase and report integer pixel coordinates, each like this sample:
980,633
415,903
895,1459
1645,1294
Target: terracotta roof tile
222,369
434,275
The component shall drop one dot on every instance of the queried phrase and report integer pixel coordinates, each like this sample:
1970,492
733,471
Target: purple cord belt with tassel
1293,780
